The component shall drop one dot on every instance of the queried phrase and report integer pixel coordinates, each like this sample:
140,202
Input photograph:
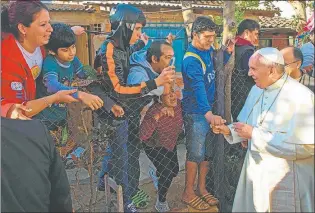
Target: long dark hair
19,12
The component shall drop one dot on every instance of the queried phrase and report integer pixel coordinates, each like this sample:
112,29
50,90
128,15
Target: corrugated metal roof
62,7
70,7
173,4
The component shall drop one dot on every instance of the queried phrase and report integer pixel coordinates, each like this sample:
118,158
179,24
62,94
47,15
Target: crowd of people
272,112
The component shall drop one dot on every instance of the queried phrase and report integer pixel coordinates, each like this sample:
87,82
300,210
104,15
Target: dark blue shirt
199,87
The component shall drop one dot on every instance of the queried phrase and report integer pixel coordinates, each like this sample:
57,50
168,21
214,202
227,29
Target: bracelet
24,104
46,102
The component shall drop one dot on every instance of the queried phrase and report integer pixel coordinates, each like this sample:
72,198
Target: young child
159,131
59,70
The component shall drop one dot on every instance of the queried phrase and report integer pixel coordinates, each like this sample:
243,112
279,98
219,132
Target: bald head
292,54
293,59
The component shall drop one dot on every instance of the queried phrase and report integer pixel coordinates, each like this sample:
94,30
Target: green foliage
240,8
246,4
310,4
218,20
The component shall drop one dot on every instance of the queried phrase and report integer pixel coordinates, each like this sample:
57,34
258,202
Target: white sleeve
276,144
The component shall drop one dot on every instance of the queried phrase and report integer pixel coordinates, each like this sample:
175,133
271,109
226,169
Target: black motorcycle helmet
123,19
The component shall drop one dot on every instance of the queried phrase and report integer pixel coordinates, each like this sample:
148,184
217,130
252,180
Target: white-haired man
278,122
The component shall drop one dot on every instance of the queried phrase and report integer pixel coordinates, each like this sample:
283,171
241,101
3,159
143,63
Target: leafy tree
242,6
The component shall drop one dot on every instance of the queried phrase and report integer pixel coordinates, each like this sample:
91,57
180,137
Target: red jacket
17,82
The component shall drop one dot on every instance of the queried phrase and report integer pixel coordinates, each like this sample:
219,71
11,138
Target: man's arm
96,89
114,71
136,77
60,196
195,75
196,78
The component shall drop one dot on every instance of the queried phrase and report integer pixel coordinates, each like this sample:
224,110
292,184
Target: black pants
166,164
134,148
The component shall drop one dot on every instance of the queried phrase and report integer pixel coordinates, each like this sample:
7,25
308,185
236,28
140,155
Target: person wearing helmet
113,56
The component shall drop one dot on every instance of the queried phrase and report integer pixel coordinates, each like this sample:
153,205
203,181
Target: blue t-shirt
57,76
199,87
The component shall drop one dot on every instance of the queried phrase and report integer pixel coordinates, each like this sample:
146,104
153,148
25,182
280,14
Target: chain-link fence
147,142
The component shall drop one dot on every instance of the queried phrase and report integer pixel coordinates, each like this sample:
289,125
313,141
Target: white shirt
32,59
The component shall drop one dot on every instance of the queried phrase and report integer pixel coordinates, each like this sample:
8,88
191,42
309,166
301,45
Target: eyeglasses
292,62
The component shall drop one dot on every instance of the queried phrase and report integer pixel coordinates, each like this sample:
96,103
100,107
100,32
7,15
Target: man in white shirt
277,120
293,59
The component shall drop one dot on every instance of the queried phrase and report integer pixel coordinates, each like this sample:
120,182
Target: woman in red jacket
25,29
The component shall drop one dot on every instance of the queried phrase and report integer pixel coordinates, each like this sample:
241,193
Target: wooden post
223,101
120,200
188,16
83,48
229,26
107,194
111,184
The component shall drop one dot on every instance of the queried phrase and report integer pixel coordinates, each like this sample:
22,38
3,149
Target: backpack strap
191,54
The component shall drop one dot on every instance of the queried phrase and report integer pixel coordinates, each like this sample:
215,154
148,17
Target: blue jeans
106,162
119,157
196,129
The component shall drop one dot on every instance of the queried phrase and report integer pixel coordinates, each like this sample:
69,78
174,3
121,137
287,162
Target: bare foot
202,192
188,196
207,197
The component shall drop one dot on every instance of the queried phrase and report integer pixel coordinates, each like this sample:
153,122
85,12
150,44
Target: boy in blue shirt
59,70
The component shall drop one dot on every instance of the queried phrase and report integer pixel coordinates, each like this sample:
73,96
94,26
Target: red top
242,42
17,82
167,128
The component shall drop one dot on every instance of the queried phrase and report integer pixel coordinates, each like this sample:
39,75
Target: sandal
210,199
197,203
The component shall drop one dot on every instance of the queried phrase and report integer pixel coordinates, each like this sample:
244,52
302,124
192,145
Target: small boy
59,70
159,131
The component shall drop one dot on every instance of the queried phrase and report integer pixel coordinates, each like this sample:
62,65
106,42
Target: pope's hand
243,130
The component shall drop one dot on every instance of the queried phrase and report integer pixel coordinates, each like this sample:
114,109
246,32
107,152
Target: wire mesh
138,146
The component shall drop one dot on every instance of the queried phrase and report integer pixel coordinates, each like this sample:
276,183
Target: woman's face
39,31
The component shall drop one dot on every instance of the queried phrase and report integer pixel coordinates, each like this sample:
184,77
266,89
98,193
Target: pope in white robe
277,120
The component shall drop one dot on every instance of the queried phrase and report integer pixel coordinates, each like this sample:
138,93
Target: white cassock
278,170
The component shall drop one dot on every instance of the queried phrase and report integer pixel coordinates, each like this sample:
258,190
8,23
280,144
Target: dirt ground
173,196
81,195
